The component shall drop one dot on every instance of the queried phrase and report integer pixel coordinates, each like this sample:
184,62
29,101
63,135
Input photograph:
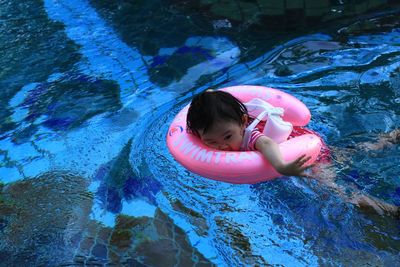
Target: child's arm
270,150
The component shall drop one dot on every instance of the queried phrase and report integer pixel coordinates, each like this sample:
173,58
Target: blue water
86,100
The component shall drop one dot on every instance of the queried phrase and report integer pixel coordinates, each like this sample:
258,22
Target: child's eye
228,137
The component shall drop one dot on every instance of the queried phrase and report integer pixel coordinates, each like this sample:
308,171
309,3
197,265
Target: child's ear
245,119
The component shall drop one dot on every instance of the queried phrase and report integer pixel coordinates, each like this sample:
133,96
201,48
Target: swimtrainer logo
175,129
191,151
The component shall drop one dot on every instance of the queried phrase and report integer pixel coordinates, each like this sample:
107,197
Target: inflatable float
244,167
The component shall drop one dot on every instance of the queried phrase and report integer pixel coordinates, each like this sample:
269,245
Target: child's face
224,136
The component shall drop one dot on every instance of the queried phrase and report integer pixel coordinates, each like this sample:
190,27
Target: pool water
89,89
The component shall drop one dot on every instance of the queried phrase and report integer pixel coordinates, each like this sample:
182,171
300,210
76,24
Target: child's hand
296,167
270,150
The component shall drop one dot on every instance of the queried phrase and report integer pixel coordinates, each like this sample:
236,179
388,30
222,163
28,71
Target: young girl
219,120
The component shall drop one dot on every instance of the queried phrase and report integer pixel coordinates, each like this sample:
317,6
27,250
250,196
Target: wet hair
209,107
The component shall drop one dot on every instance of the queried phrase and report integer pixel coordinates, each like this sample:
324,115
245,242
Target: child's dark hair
210,106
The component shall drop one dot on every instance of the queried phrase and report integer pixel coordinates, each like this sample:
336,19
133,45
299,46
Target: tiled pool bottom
40,228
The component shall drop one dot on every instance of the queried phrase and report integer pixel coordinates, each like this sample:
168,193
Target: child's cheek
238,142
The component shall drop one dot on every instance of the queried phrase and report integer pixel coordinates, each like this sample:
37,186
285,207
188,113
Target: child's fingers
307,175
306,159
310,176
303,171
299,159
311,166
303,159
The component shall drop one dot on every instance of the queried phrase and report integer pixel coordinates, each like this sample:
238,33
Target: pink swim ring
243,167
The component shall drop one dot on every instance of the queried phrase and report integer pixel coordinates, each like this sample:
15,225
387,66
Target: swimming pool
88,91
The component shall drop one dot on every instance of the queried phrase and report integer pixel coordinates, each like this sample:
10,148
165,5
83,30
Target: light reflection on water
103,122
